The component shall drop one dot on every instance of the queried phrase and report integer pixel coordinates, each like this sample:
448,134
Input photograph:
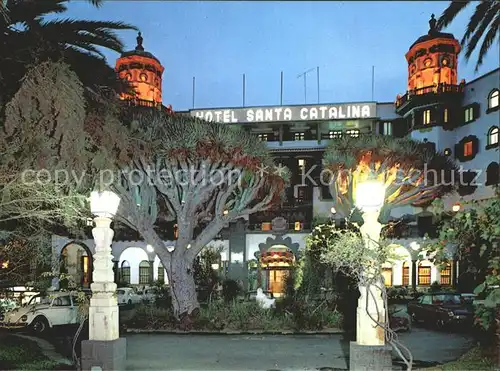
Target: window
262,137
445,115
144,272
494,99
298,226
302,165
387,275
335,134
353,133
446,275
143,77
424,275
426,299
426,117
406,274
265,226
125,272
62,301
469,114
447,151
468,148
492,137
492,174
388,128
299,136
161,273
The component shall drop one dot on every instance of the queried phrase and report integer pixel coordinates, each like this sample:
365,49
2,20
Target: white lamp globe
104,204
370,195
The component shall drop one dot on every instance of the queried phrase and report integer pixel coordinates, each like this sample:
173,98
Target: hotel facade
459,118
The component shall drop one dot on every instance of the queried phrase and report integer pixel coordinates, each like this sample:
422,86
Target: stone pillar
104,349
454,271
151,271
370,352
414,275
116,271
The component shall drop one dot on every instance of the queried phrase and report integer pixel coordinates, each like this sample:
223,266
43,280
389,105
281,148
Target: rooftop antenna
304,74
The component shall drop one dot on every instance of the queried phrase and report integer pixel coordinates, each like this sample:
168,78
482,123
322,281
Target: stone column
104,349
414,274
369,352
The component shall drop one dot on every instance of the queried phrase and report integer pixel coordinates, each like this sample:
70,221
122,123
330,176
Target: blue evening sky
219,41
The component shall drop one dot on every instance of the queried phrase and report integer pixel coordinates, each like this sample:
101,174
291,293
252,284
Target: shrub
230,290
152,317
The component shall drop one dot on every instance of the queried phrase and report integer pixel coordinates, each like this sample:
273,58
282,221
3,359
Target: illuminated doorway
276,264
76,264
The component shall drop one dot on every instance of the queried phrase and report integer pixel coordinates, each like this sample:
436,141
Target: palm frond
489,38
451,13
479,32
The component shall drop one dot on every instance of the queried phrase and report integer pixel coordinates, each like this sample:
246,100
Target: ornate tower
144,71
432,59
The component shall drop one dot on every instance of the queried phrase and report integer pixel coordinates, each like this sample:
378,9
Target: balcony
147,104
427,94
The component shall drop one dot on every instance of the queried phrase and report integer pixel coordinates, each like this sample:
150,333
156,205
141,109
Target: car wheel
40,325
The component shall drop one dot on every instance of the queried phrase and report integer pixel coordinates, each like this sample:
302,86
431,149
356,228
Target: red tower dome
432,59
144,71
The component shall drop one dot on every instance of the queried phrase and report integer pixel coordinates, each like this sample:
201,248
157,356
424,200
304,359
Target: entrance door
277,278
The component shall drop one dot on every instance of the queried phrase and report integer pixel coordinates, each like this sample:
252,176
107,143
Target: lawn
21,354
472,360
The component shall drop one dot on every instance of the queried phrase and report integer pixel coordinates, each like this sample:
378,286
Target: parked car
399,320
43,312
441,309
127,295
148,295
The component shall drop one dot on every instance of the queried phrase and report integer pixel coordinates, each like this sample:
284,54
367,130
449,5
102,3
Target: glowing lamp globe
104,204
215,266
370,195
456,207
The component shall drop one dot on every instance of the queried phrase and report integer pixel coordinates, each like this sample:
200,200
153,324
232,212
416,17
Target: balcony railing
433,89
147,103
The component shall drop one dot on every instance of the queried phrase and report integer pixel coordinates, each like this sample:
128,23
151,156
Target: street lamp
104,350
369,350
456,207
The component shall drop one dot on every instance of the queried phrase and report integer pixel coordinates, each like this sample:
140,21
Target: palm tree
27,38
483,24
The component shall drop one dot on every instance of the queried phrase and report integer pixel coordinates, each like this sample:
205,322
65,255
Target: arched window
161,273
494,99
406,273
492,140
125,272
492,174
445,279
144,272
424,274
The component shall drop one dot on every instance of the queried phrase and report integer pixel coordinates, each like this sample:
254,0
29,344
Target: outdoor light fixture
215,266
370,195
226,212
104,204
456,207
149,248
414,246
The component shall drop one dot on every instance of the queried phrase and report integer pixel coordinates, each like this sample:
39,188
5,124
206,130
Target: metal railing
433,89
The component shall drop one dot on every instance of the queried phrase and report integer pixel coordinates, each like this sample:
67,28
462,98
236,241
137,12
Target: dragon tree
203,175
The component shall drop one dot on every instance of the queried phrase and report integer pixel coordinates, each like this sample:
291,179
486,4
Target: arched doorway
77,263
276,264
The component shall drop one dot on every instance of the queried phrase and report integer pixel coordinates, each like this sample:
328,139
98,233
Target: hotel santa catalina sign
346,111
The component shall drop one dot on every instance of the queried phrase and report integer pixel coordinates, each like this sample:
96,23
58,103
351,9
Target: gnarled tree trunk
182,287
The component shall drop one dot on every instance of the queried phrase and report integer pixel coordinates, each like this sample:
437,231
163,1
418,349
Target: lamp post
369,352
104,350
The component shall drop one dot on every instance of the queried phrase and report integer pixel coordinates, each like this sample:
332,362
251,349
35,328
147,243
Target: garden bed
244,317
17,353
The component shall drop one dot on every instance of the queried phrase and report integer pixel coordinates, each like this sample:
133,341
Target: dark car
441,309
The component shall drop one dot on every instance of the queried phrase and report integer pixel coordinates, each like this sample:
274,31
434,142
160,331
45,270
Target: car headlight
24,318
451,314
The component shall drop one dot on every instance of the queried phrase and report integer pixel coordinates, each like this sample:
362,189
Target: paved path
244,352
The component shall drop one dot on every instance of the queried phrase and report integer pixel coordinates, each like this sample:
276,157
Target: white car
148,295
127,295
43,312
